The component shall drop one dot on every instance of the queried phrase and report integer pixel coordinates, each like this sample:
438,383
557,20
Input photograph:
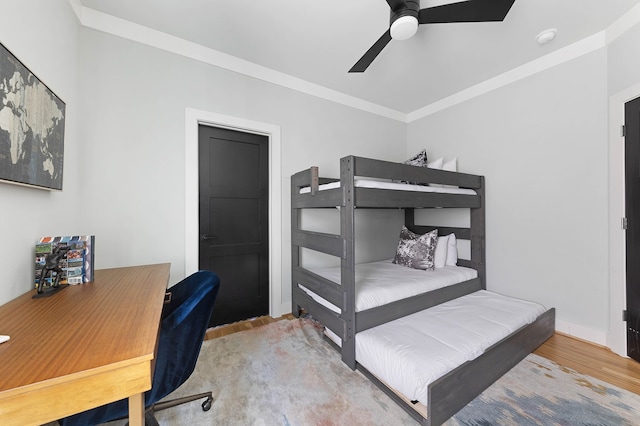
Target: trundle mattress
411,352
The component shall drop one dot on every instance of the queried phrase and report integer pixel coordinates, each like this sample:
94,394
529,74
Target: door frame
616,336
194,118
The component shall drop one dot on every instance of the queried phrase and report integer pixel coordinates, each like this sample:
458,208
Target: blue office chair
185,318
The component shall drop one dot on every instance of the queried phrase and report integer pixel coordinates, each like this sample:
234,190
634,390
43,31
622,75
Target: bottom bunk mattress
382,282
409,353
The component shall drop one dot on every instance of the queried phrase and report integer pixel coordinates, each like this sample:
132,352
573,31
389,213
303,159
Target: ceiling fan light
404,27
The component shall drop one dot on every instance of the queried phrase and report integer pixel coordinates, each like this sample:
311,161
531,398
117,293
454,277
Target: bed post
409,218
347,263
295,252
478,244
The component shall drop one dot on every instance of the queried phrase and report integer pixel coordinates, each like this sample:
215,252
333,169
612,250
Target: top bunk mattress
411,352
379,184
383,282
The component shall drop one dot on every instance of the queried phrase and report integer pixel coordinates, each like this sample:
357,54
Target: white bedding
411,352
379,283
378,184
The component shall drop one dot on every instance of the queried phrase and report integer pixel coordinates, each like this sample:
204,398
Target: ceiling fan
406,15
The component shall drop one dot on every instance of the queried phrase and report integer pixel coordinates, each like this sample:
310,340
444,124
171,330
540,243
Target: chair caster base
206,405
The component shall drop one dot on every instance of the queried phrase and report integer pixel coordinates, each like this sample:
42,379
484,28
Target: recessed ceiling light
546,36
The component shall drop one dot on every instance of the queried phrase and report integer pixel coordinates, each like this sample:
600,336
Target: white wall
133,112
624,61
44,36
623,85
542,144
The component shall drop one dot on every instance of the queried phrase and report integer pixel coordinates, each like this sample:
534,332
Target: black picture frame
32,122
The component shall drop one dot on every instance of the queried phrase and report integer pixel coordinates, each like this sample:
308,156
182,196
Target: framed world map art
31,127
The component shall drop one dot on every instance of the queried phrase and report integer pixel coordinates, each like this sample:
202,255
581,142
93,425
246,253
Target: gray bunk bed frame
453,391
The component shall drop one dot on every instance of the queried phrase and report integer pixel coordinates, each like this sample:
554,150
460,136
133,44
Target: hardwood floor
581,356
228,329
592,360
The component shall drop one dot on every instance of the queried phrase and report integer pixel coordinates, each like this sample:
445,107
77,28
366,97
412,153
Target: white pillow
440,256
451,166
436,164
452,250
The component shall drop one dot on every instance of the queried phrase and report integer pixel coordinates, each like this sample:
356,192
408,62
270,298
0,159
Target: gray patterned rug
286,374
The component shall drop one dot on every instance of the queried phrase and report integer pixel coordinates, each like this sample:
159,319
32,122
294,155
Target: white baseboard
281,309
598,337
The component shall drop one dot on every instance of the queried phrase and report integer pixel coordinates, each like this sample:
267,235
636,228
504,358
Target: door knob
205,237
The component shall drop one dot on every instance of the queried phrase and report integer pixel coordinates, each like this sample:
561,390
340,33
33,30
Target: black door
234,187
632,206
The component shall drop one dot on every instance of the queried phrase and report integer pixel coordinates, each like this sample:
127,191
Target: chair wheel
206,406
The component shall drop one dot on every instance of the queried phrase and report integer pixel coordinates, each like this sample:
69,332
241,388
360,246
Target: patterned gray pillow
418,160
416,251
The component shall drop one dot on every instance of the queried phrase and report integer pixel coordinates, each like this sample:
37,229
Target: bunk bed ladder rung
324,243
321,286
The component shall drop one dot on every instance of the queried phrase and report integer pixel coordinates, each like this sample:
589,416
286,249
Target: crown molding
623,24
557,57
77,8
582,47
99,21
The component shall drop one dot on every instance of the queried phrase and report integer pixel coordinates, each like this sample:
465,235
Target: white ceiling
319,41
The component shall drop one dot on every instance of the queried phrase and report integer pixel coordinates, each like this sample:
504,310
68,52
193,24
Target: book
75,261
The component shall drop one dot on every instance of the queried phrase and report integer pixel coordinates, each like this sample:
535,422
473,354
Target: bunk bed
369,183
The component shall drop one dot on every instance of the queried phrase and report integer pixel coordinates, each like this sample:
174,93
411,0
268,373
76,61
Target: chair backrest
184,322
185,319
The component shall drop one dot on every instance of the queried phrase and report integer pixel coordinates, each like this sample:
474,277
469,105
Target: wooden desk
83,347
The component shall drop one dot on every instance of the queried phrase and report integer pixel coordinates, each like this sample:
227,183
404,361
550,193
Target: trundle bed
390,321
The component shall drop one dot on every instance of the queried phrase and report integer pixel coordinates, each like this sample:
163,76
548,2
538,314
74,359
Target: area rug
284,373
540,392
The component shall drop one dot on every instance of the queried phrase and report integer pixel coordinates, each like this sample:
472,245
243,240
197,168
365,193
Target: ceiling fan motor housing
410,8
406,16
404,20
